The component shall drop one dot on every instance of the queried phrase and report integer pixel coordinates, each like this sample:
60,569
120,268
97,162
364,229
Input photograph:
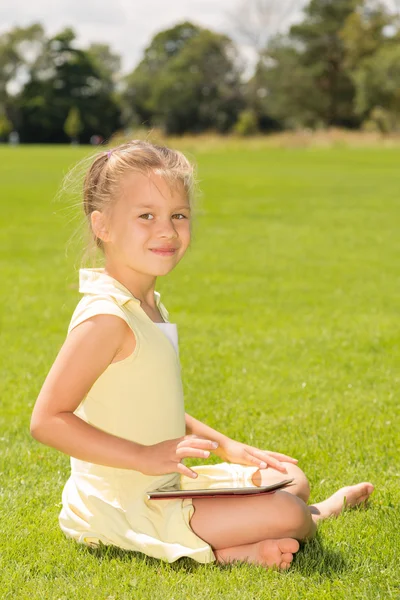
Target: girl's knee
298,521
300,481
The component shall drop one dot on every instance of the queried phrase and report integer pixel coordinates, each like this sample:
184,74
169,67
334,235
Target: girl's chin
158,270
165,271
163,267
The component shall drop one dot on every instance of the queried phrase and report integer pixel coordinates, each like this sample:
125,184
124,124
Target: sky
126,25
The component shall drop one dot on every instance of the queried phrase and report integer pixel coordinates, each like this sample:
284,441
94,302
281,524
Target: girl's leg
260,529
348,496
300,487
280,552
265,529
269,553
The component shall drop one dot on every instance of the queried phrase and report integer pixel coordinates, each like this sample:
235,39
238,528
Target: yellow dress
139,398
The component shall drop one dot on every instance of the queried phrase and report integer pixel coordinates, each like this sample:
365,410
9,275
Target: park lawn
288,311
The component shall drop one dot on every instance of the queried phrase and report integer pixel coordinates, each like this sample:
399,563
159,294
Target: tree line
338,66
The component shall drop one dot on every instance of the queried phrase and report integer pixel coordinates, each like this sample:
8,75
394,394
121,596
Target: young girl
113,398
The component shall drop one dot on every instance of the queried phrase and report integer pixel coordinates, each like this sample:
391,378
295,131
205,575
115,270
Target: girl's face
149,227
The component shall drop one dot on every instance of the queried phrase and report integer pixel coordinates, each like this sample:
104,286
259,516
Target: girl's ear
99,225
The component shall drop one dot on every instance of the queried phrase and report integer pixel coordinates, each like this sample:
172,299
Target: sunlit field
287,305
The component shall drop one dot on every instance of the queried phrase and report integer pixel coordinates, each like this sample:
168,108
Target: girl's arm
88,350
195,427
86,353
236,452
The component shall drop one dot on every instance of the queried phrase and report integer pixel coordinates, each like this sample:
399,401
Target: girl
113,397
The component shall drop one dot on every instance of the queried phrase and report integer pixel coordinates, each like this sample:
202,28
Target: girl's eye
150,217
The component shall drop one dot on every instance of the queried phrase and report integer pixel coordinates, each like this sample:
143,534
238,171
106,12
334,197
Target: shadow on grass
312,559
112,552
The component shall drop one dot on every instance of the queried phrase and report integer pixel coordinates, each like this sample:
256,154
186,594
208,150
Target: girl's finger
188,452
261,464
265,459
181,468
275,464
200,443
283,457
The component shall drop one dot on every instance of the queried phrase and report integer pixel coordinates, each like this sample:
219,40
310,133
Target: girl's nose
167,229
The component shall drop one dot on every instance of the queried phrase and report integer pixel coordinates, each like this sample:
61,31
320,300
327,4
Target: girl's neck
140,285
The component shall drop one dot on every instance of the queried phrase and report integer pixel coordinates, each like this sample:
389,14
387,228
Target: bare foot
346,497
269,553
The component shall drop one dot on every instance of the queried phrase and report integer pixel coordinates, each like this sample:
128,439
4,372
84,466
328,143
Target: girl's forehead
139,189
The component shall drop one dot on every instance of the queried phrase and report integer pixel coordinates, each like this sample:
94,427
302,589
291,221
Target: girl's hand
242,454
165,457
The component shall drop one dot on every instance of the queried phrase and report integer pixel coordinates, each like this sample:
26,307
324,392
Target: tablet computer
191,490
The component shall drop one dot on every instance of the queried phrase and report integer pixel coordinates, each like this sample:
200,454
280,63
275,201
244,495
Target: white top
171,331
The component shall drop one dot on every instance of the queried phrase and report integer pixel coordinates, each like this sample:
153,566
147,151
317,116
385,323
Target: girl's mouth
164,251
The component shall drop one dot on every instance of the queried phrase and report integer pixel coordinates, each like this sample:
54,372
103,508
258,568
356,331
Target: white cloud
127,25
62,12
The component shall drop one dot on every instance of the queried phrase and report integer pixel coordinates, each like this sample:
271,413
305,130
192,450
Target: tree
255,22
19,49
333,68
364,32
247,123
73,124
5,127
137,98
284,90
372,60
304,77
378,87
322,53
188,80
107,63
199,89
64,77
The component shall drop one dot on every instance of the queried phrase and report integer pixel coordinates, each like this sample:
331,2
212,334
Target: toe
366,487
287,557
366,490
288,545
363,499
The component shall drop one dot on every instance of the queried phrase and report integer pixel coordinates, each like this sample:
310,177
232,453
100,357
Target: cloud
61,12
126,25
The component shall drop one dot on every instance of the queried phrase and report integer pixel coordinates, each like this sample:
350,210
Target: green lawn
288,311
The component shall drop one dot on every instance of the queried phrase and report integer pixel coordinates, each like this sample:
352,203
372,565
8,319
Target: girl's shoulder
93,304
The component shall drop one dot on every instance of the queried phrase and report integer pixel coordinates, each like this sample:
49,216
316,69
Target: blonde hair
107,168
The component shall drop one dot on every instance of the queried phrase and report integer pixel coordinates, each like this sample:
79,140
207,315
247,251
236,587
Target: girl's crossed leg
266,529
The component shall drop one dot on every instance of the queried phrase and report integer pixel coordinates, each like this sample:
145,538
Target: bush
5,127
380,120
247,123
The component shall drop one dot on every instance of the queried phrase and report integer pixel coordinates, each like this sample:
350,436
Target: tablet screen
202,486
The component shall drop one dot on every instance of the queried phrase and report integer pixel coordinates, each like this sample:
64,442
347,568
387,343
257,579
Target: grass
287,305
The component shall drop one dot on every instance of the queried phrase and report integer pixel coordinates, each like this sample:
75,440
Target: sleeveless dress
139,398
